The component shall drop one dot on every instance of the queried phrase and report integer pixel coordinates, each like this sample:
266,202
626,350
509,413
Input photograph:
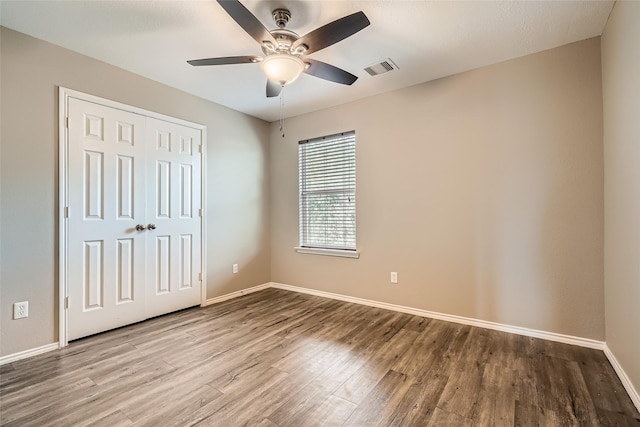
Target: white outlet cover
21,310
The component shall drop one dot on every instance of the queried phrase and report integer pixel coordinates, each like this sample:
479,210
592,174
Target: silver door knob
151,226
140,227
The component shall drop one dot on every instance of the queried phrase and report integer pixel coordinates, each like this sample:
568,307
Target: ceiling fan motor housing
285,39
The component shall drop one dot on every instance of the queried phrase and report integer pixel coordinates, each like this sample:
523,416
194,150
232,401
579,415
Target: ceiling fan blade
250,59
273,89
332,33
329,72
247,21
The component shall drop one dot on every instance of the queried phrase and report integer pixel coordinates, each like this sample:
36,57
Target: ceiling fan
285,51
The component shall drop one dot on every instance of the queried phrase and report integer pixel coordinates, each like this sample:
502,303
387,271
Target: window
327,207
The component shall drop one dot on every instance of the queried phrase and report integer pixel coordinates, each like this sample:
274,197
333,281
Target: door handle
151,226
140,227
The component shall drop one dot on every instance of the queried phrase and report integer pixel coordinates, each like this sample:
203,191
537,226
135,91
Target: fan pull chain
282,111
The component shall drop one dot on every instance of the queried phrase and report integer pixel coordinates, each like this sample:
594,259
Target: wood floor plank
439,344
289,396
417,406
361,383
417,323
567,394
443,418
617,419
496,403
377,407
528,415
265,422
237,406
297,407
333,412
186,385
461,394
104,399
115,419
181,403
606,391
275,358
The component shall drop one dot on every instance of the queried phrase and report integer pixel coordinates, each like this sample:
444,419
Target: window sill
328,252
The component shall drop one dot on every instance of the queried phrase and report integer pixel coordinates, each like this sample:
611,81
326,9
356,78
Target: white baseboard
550,336
236,294
626,382
28,353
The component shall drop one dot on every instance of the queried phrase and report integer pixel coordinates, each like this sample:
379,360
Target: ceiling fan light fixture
282,68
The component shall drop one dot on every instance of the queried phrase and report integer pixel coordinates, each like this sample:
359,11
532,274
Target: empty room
319,213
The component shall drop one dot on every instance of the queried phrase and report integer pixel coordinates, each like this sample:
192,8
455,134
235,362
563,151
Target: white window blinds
327,174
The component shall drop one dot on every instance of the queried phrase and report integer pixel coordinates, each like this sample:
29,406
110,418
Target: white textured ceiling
426,39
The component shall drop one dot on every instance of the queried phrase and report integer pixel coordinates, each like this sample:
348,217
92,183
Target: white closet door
106,187
173,205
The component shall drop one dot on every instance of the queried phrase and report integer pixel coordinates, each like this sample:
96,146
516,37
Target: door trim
64,94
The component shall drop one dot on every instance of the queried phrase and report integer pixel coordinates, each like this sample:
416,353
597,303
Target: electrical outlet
21,310
235,268
394,277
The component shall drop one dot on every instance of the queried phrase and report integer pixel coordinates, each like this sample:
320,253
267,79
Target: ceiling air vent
381,67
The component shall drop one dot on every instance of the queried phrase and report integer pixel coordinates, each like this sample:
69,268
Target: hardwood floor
278,358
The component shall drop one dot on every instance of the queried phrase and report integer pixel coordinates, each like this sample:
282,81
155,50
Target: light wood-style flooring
278,358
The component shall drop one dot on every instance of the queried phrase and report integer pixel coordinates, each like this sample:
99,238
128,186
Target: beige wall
237,168
484,191
621,95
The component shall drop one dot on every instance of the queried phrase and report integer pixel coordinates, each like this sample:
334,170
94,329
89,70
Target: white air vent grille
381,67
